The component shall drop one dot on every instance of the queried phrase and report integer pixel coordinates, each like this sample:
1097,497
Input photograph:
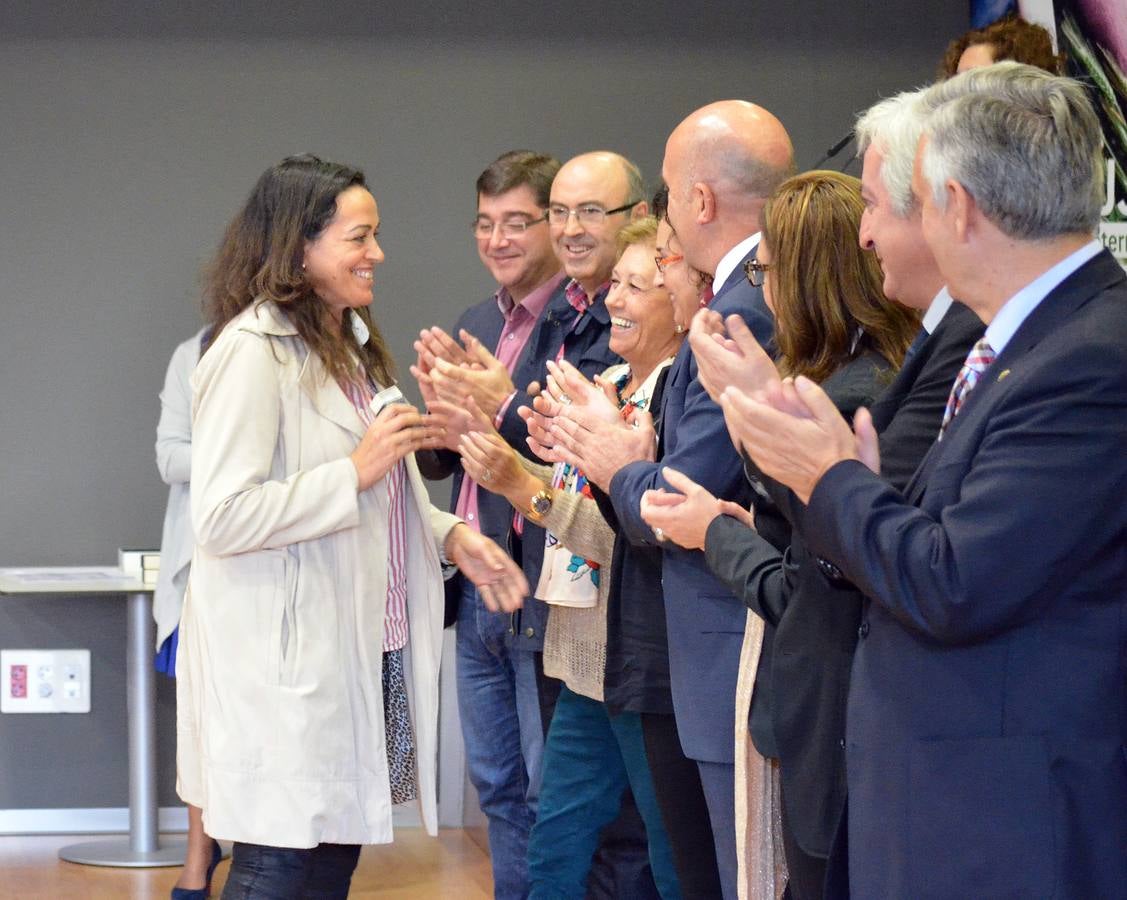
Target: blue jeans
499,707
282,873
589,759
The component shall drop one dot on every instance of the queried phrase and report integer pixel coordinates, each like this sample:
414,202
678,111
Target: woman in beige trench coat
316,550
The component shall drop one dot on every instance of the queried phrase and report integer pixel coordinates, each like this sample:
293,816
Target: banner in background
1093,36
987,12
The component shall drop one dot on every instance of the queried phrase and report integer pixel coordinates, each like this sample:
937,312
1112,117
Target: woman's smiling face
641,330
340,261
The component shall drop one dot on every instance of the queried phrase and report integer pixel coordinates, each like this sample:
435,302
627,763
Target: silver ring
660,535
565,400
487,475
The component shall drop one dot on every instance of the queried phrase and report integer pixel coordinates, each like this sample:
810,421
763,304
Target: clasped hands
578,421
684,517
398,430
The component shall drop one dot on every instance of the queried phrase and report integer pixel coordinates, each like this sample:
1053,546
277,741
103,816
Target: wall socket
44,681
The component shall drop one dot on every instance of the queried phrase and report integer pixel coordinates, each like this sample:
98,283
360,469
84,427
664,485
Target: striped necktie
978,360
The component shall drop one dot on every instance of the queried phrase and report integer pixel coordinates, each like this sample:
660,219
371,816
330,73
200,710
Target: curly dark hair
1012,38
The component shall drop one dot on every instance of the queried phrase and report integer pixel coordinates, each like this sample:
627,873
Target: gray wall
130,139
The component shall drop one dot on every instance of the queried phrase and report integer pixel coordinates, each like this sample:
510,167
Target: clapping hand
477,372
566,392
435,344
455,420
794,433
600,448
732,359
495,466
540,440
567,387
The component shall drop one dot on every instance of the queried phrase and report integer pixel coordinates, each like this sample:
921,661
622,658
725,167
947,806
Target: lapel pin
1003,374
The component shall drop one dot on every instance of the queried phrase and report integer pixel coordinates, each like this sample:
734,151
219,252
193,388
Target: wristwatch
540,504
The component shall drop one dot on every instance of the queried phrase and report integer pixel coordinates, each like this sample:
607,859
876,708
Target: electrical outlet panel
44,681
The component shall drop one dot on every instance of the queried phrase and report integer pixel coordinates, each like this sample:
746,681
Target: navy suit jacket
987,717
704,621
586,347
908,413
905,414
809,714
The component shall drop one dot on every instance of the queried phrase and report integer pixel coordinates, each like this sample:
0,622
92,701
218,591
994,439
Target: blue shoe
203,893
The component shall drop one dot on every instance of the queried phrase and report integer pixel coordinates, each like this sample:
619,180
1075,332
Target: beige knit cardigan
575,640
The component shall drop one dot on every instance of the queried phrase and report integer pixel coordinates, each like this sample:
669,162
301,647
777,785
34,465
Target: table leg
143,847
142,698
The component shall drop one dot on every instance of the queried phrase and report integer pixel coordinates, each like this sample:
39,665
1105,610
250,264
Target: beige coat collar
321,389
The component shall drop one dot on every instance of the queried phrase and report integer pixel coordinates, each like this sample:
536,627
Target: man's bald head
721,164
737,146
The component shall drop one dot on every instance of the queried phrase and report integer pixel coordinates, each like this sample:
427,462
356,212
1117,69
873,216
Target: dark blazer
904,415
907,415
812,624
637,667
987,729
586,347
705,621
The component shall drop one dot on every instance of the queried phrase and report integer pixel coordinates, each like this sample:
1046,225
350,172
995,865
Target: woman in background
174,460
307,688
1011,37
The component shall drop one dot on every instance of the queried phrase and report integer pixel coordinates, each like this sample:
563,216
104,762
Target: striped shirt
360,393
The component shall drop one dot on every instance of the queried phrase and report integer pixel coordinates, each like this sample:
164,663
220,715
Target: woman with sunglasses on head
834,326
314,603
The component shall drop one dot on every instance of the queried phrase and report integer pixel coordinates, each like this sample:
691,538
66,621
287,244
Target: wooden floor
415,866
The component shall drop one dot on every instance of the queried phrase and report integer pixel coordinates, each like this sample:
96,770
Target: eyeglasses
510,228
755,272
664,262
589,214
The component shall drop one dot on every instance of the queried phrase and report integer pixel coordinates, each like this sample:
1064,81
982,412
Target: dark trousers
282,873
683,809
806,874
